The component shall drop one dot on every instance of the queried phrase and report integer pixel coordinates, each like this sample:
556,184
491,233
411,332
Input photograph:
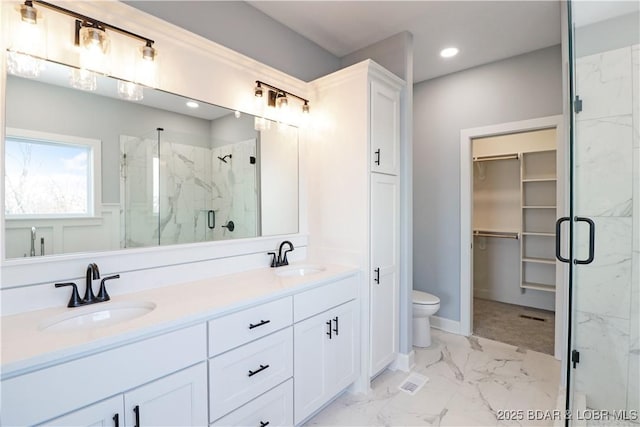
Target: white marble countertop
26,347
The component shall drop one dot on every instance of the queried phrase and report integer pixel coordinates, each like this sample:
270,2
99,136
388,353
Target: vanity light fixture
278,97
192,104
449,52
90,35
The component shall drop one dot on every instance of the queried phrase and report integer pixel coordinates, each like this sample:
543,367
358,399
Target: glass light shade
83,79
282,101
147,66
23,65
27,42
94,47
130,91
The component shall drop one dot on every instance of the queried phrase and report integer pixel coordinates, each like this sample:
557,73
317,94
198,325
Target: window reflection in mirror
167,173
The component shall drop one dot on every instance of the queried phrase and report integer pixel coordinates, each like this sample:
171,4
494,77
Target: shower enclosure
603,229
177,189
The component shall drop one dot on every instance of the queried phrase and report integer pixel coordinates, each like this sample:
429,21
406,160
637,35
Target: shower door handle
558,239
592,240
211,219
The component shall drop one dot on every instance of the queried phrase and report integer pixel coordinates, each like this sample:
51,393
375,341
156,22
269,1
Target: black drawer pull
377,278
116,420
377,160
263,424
335,329
255,325
262,368
328,322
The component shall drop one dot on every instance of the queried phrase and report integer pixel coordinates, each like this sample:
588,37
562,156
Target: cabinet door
342,348
179,399
324,358
106,413
384,321
310,367
385,128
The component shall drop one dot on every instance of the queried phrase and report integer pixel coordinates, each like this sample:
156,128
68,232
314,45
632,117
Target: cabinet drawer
314,301
275,407
239,328
240,375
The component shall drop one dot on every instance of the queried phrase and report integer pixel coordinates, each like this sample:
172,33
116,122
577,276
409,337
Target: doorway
512,191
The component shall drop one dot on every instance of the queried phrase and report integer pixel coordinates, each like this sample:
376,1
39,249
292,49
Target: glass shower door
602,370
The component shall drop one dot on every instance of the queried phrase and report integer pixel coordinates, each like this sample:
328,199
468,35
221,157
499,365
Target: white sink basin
97,315
298,270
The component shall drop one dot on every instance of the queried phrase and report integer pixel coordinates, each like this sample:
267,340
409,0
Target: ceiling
484,31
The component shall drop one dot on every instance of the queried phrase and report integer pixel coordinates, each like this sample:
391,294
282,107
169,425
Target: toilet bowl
425,305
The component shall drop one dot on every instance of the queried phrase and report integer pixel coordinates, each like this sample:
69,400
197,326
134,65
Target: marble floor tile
471,380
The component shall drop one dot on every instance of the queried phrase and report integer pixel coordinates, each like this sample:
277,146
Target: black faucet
282,257
92,273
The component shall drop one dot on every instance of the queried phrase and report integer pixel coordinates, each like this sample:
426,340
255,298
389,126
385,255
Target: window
49,175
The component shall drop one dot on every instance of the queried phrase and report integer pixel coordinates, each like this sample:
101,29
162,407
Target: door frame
466,216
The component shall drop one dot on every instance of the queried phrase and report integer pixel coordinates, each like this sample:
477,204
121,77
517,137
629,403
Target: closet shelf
539,260
538,286
538,207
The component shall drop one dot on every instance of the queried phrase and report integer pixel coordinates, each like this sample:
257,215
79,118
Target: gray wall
47,108
614,33
243,28
229,129
518,88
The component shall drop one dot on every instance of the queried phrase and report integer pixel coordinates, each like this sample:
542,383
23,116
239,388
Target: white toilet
424,306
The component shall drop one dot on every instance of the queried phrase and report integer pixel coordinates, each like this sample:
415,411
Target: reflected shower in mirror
93,172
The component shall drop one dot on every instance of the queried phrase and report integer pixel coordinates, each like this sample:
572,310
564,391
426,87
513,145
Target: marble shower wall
234,197
607,170
185,193
192,181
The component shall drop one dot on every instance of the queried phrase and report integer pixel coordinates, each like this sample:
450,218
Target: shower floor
504,322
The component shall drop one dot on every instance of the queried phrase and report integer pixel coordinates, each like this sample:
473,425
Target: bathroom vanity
224,351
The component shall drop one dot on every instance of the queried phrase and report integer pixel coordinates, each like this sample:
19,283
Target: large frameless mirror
123,166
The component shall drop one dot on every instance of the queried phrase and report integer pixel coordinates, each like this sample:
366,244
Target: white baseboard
446,325
404,362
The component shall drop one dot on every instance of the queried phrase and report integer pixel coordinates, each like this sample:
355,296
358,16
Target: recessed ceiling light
449,52
192,104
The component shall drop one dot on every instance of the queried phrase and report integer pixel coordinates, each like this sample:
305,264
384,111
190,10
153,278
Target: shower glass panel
180,189
604,349
139,185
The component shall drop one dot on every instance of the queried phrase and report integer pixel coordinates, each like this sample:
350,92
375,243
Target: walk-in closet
514,213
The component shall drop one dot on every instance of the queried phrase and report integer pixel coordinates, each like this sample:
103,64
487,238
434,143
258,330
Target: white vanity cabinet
136,374
354,204
325,345
176,400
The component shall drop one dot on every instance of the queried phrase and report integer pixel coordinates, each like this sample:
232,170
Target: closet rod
497,157
502,234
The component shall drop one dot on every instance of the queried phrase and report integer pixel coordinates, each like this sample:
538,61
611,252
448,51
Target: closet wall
514,213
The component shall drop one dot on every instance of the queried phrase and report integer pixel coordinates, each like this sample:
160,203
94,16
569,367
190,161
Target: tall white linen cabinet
353,180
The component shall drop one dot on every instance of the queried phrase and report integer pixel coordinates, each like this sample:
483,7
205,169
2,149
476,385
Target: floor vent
539,319
413,383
